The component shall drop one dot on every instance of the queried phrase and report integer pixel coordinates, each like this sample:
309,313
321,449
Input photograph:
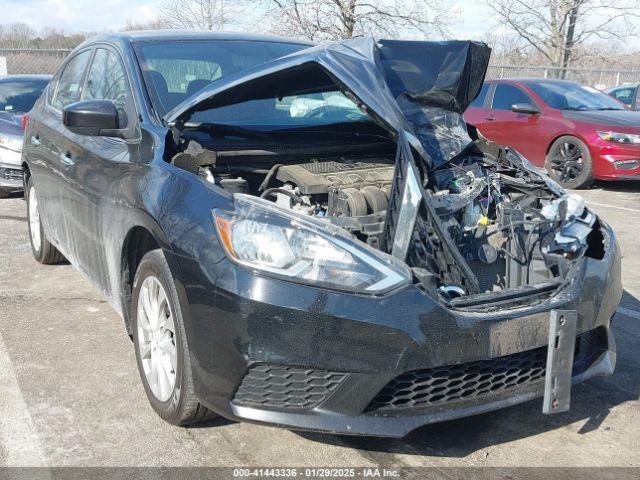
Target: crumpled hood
421,88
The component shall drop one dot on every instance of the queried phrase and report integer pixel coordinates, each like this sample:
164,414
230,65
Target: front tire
162,352
569,162
43,251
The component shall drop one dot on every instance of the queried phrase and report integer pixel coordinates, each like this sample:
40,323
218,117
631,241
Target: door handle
66,158
35,140
490,118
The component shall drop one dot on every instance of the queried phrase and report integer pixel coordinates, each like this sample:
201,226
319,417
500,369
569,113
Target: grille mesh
434,386
284,387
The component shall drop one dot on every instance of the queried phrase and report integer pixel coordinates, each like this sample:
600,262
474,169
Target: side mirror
93,117
525,108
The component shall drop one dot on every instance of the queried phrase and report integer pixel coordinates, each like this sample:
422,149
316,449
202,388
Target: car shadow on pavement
14,218
591,403
21,215
621,186
212,423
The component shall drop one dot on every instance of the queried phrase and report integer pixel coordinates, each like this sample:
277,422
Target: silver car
18,93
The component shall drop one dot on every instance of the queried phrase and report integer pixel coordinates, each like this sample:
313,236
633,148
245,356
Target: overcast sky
112,15
76,15
104,15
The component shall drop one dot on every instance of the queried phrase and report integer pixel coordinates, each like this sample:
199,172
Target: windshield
18,96
177,69
572,96
294,111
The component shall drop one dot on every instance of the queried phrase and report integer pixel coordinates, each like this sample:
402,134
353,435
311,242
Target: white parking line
629,313
607,205
20,443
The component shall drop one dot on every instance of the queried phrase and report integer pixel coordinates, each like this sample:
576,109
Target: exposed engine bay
353,195
475,223
508,229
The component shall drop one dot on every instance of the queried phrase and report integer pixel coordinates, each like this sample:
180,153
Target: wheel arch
26,173
583,179
142,236
565,134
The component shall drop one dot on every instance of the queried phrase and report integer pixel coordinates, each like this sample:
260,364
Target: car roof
160,35
11,78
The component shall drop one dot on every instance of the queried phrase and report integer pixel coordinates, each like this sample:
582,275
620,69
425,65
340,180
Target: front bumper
615,161
10,175
329,418
325,357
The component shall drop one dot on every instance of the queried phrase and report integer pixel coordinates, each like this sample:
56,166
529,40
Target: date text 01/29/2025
315,472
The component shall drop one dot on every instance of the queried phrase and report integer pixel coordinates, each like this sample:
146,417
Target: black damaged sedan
309,236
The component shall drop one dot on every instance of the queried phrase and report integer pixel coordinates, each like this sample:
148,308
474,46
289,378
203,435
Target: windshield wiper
236,131
232,131
356,135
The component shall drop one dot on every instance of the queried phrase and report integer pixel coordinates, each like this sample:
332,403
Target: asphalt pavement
70,394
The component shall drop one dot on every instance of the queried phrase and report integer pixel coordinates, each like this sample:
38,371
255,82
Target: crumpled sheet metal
434,83
421,88
576,223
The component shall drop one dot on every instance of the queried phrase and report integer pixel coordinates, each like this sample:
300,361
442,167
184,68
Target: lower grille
283,387
440,385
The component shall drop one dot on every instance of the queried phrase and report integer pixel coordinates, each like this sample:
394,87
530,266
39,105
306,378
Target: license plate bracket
562,341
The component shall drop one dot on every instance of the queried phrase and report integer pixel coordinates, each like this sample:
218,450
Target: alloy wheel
157,338
34,220
567,161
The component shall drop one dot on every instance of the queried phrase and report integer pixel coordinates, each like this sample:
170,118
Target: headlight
261,236
628,138
11,142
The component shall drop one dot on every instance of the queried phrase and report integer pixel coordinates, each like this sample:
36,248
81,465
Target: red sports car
578,133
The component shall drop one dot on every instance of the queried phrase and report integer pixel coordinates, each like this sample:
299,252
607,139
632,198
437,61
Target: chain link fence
31,61
598,78
15,61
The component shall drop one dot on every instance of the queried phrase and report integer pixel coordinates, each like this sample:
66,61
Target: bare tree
195,14
558,30
505,49
16,35
153,24
21,35
340,19
51,37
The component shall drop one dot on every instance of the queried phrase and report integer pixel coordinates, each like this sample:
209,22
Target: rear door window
69,86
625,95
507,95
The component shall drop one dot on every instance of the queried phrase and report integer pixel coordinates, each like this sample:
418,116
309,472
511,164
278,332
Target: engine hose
273,191
267,180
239,168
